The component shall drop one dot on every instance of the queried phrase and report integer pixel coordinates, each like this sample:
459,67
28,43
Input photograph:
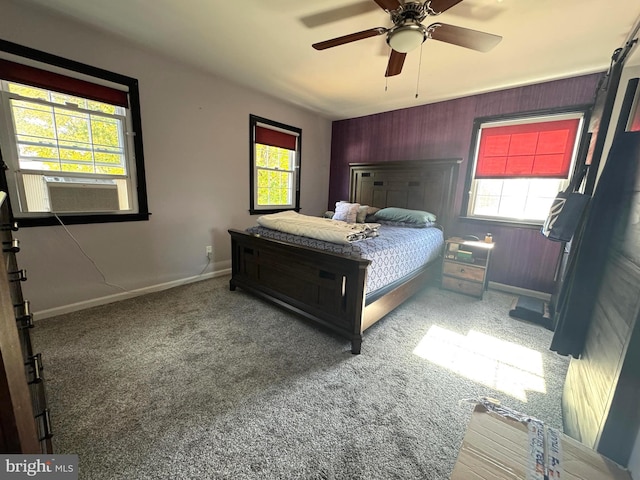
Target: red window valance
541,149
35,77
275,138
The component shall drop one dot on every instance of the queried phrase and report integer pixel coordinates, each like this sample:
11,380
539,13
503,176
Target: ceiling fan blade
388,5
352,37
463,37
337,14
439,6
396,61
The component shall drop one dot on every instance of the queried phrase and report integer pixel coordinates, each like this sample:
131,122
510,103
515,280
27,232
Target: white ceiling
266,45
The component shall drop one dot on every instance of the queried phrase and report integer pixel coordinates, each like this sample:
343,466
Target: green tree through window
275,175
275,166
63,133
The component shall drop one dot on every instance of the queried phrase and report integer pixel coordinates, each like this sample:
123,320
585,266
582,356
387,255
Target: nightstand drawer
468,272
463,286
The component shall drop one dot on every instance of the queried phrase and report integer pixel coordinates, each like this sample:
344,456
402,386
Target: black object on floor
531,309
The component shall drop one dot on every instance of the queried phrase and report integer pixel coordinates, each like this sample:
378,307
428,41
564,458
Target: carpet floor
204,383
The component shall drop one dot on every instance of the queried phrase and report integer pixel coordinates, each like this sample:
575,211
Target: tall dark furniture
25,426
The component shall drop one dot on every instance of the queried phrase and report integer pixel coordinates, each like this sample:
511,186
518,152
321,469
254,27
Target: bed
331,288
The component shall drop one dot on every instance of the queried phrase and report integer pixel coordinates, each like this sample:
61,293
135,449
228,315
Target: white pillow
347,212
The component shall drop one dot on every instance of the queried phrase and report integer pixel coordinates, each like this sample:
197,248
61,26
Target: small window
519,165
72,146
275,166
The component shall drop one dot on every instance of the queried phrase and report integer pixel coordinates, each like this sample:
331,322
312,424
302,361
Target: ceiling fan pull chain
419,66
386,77
386,83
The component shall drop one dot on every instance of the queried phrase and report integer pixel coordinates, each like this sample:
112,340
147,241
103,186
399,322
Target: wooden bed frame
327,288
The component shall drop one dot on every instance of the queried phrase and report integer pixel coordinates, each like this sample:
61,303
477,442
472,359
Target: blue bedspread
395,253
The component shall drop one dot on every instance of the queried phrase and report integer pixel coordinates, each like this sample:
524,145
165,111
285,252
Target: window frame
136,186
470,186
255,121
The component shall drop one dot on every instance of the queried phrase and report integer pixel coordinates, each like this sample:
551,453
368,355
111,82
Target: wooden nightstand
465,266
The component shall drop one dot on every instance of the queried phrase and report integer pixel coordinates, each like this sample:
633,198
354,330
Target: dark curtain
609,208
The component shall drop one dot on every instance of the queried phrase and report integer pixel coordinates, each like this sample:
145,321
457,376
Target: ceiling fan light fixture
406,37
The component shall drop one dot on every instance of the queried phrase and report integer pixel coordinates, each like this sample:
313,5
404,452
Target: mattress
395,253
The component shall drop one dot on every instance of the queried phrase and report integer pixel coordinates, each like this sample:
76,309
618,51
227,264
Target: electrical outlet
209,250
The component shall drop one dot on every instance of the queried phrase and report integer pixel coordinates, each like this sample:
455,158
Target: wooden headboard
428,185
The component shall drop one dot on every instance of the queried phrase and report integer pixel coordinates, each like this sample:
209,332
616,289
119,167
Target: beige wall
195,127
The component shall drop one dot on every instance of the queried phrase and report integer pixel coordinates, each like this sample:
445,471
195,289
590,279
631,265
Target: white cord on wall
104,278
206,266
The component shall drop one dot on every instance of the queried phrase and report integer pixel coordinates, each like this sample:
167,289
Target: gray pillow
396,214
406,224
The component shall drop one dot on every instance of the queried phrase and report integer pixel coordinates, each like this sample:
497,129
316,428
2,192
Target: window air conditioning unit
76,195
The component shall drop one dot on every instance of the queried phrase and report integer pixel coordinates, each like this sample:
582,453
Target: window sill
80,219
272,210
502,223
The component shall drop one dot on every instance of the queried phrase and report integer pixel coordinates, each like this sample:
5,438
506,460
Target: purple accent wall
522,257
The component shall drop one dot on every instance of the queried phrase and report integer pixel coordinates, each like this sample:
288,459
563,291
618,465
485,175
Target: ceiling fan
408,32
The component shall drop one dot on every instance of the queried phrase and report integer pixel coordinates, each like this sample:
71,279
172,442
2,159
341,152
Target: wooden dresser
25,426
465,266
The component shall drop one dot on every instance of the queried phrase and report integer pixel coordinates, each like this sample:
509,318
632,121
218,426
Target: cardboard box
501,446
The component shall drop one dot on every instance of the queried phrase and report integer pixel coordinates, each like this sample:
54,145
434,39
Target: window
519,165
275,166
71,140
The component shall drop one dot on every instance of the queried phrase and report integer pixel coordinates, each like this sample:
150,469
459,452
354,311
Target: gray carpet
200,382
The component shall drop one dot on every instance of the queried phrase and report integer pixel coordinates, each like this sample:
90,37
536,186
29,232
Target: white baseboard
520,291
94,302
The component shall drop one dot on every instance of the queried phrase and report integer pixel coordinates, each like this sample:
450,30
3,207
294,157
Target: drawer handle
35,362
25,321
9,226
46,424
18,276
12,246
